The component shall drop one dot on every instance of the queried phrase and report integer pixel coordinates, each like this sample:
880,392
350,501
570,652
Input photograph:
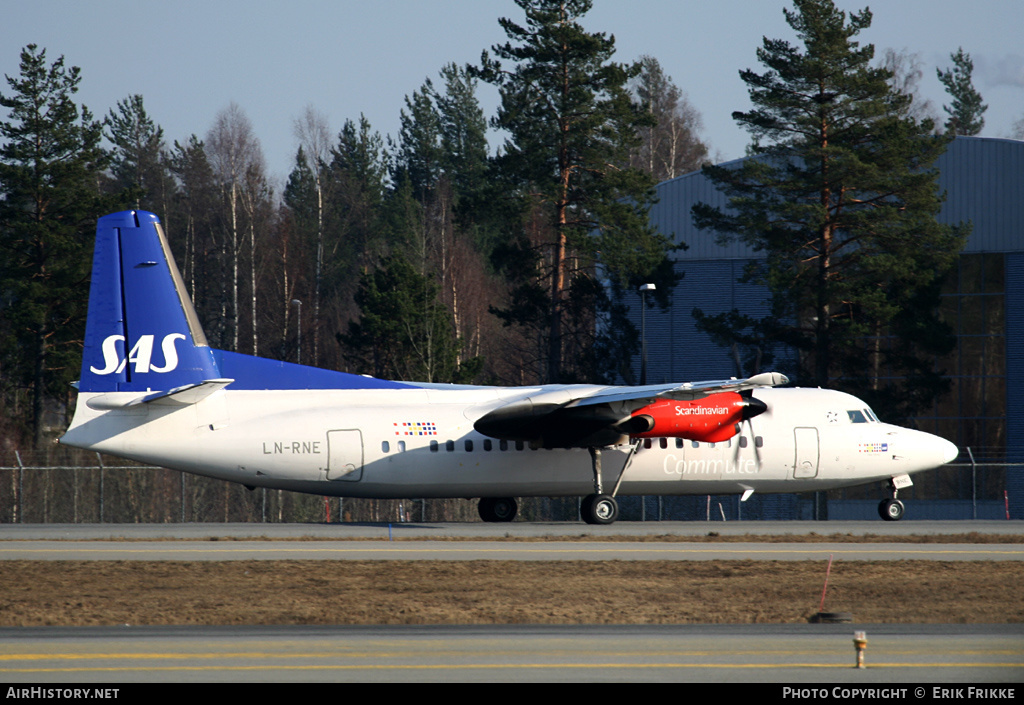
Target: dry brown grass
503,592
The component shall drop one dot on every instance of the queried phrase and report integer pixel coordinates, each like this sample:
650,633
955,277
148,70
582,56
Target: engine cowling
713,419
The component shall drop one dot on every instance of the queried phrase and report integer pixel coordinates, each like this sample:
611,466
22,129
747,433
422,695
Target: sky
190,59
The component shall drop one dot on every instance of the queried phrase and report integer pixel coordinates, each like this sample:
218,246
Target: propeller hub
753,407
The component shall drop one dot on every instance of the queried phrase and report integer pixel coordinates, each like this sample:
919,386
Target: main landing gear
497,509
596,508
599,509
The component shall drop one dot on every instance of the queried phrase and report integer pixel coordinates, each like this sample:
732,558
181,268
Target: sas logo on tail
141,355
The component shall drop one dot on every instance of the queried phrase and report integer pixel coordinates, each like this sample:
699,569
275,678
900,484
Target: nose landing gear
892,509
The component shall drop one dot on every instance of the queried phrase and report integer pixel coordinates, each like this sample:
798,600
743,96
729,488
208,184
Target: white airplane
153,390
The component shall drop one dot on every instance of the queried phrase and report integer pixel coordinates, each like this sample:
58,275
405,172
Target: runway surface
478,541
775,655
463,530
781,654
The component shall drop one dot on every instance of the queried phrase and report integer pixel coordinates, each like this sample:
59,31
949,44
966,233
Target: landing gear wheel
599,509
890,509
497,509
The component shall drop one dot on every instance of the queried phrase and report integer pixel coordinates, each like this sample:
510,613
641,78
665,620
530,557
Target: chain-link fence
70,486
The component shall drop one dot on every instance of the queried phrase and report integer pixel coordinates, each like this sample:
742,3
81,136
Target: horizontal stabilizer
180,396
190,394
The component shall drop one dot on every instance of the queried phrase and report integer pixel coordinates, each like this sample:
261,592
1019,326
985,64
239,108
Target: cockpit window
857,416
871,415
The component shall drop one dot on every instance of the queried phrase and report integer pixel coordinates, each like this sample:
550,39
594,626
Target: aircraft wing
582,416
680,392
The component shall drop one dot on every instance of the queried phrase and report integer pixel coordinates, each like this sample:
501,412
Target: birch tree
313,134
232,147
671,146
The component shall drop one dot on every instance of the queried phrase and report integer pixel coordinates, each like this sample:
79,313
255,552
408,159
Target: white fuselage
397,443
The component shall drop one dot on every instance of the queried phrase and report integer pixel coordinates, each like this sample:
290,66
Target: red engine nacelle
712,419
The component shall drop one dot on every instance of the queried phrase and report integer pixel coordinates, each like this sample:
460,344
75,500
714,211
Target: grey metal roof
984,182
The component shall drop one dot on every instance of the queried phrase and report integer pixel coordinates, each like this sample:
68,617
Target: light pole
298,327
644,288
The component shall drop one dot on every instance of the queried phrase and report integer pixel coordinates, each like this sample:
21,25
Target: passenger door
345,455
805,465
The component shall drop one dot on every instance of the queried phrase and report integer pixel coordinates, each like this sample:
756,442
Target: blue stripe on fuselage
260,373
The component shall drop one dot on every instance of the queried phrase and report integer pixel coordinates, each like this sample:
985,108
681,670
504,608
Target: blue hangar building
983,301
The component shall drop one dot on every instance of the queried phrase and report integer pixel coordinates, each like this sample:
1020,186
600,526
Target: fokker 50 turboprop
153,390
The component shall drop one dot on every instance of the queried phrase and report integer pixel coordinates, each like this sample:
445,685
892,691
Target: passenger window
647,443
743,441
401,446
385,446
758,442
449,446
679,443
469,446
695,444
520,445
502,445
663,442
433,446
487,444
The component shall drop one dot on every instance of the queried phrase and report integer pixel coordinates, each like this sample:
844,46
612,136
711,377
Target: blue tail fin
142,332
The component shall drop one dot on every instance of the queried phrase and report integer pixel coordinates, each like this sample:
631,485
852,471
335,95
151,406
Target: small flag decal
874,447
416,428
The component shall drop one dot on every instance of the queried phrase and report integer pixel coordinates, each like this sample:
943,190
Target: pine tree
50,162
436,208
403,331
302,230
354,237
463,130
194,209
965,114
571,124
138,161
418,156
840,196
